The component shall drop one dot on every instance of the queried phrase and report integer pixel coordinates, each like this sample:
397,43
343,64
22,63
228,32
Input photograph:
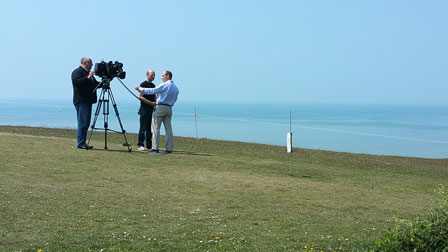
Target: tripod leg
114,104
97,112
106,117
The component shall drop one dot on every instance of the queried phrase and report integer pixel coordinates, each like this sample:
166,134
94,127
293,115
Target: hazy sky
235,50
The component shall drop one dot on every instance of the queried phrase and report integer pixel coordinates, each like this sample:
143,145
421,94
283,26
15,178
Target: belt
164,104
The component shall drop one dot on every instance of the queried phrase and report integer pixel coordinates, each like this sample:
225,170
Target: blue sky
233,50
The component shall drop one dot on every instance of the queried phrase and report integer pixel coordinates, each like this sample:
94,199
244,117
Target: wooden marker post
196,122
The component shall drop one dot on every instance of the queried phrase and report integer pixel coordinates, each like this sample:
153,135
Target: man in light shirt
166,94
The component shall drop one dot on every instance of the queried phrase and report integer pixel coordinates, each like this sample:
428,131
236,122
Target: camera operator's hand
136,87
91,74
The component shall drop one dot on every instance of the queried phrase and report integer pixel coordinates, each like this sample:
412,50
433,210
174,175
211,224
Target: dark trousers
144,133
83,114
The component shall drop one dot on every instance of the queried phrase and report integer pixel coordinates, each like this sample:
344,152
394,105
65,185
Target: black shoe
85,146
155,151
168,151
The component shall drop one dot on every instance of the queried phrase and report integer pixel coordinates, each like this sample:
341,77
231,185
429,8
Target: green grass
206,196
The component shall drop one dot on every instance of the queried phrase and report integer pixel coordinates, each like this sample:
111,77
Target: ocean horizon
394,130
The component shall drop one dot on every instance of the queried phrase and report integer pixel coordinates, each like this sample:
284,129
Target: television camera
110,70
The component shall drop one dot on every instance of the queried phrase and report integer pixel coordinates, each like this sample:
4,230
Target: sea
393,130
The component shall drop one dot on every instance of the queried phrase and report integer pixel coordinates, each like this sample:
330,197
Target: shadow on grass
190,153
182,152
111,150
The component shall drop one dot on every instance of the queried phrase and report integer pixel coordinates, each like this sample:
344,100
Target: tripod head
105,83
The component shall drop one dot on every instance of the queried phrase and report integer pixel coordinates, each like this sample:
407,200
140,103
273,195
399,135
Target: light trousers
162,114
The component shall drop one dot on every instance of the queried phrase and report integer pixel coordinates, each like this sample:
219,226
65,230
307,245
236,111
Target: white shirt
166,92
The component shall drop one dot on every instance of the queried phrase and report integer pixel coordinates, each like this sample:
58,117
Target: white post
289,144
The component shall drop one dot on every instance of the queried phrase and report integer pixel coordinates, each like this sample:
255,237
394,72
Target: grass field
206,196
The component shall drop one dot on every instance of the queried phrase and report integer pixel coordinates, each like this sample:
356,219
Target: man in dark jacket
84,95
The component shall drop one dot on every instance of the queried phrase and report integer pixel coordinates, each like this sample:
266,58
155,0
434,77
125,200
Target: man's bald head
150,75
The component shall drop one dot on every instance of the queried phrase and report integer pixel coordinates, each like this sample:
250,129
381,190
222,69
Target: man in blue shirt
166,94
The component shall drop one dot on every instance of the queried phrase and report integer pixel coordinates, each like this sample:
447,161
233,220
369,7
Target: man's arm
78,77
143,99
149,91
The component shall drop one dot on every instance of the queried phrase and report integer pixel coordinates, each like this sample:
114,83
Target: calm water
418,131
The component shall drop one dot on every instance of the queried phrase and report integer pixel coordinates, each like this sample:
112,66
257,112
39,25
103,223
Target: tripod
103,101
